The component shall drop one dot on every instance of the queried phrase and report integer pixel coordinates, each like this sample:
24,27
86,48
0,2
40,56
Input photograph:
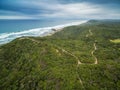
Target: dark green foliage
47,63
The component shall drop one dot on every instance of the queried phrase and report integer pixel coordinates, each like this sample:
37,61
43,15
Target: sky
60,9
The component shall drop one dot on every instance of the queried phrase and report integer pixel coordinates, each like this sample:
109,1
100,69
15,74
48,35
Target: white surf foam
7,37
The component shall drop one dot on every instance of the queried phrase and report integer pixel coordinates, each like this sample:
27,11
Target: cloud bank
62,9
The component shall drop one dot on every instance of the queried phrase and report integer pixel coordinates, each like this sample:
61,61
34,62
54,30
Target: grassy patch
115,41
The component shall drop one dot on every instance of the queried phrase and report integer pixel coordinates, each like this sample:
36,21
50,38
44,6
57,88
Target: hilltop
83,57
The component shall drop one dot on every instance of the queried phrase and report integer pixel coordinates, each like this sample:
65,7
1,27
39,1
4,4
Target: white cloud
47,9
82,10
15,17
73,10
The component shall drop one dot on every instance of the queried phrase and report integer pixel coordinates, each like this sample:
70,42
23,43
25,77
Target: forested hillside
83,57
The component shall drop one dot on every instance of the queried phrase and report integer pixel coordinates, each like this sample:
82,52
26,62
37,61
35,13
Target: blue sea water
7,26
11,29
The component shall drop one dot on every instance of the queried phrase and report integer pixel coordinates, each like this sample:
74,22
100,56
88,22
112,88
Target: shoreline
37,32
55,30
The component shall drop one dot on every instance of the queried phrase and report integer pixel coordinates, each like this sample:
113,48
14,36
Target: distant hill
82,57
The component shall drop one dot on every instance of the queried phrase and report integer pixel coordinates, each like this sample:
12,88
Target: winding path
78,63
90,33
72,55
95,48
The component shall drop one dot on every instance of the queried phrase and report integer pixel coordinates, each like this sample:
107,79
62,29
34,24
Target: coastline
60,27
37,32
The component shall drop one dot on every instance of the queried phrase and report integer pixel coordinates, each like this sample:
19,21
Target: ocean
12,29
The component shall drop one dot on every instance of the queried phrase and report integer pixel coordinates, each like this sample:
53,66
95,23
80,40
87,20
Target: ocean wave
7,37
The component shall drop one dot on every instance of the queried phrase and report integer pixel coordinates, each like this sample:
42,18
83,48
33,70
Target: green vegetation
76,58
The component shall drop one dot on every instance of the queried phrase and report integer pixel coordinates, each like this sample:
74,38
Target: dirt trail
92,53
90,33
72,55
78,63
80,80
77,66
95,48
